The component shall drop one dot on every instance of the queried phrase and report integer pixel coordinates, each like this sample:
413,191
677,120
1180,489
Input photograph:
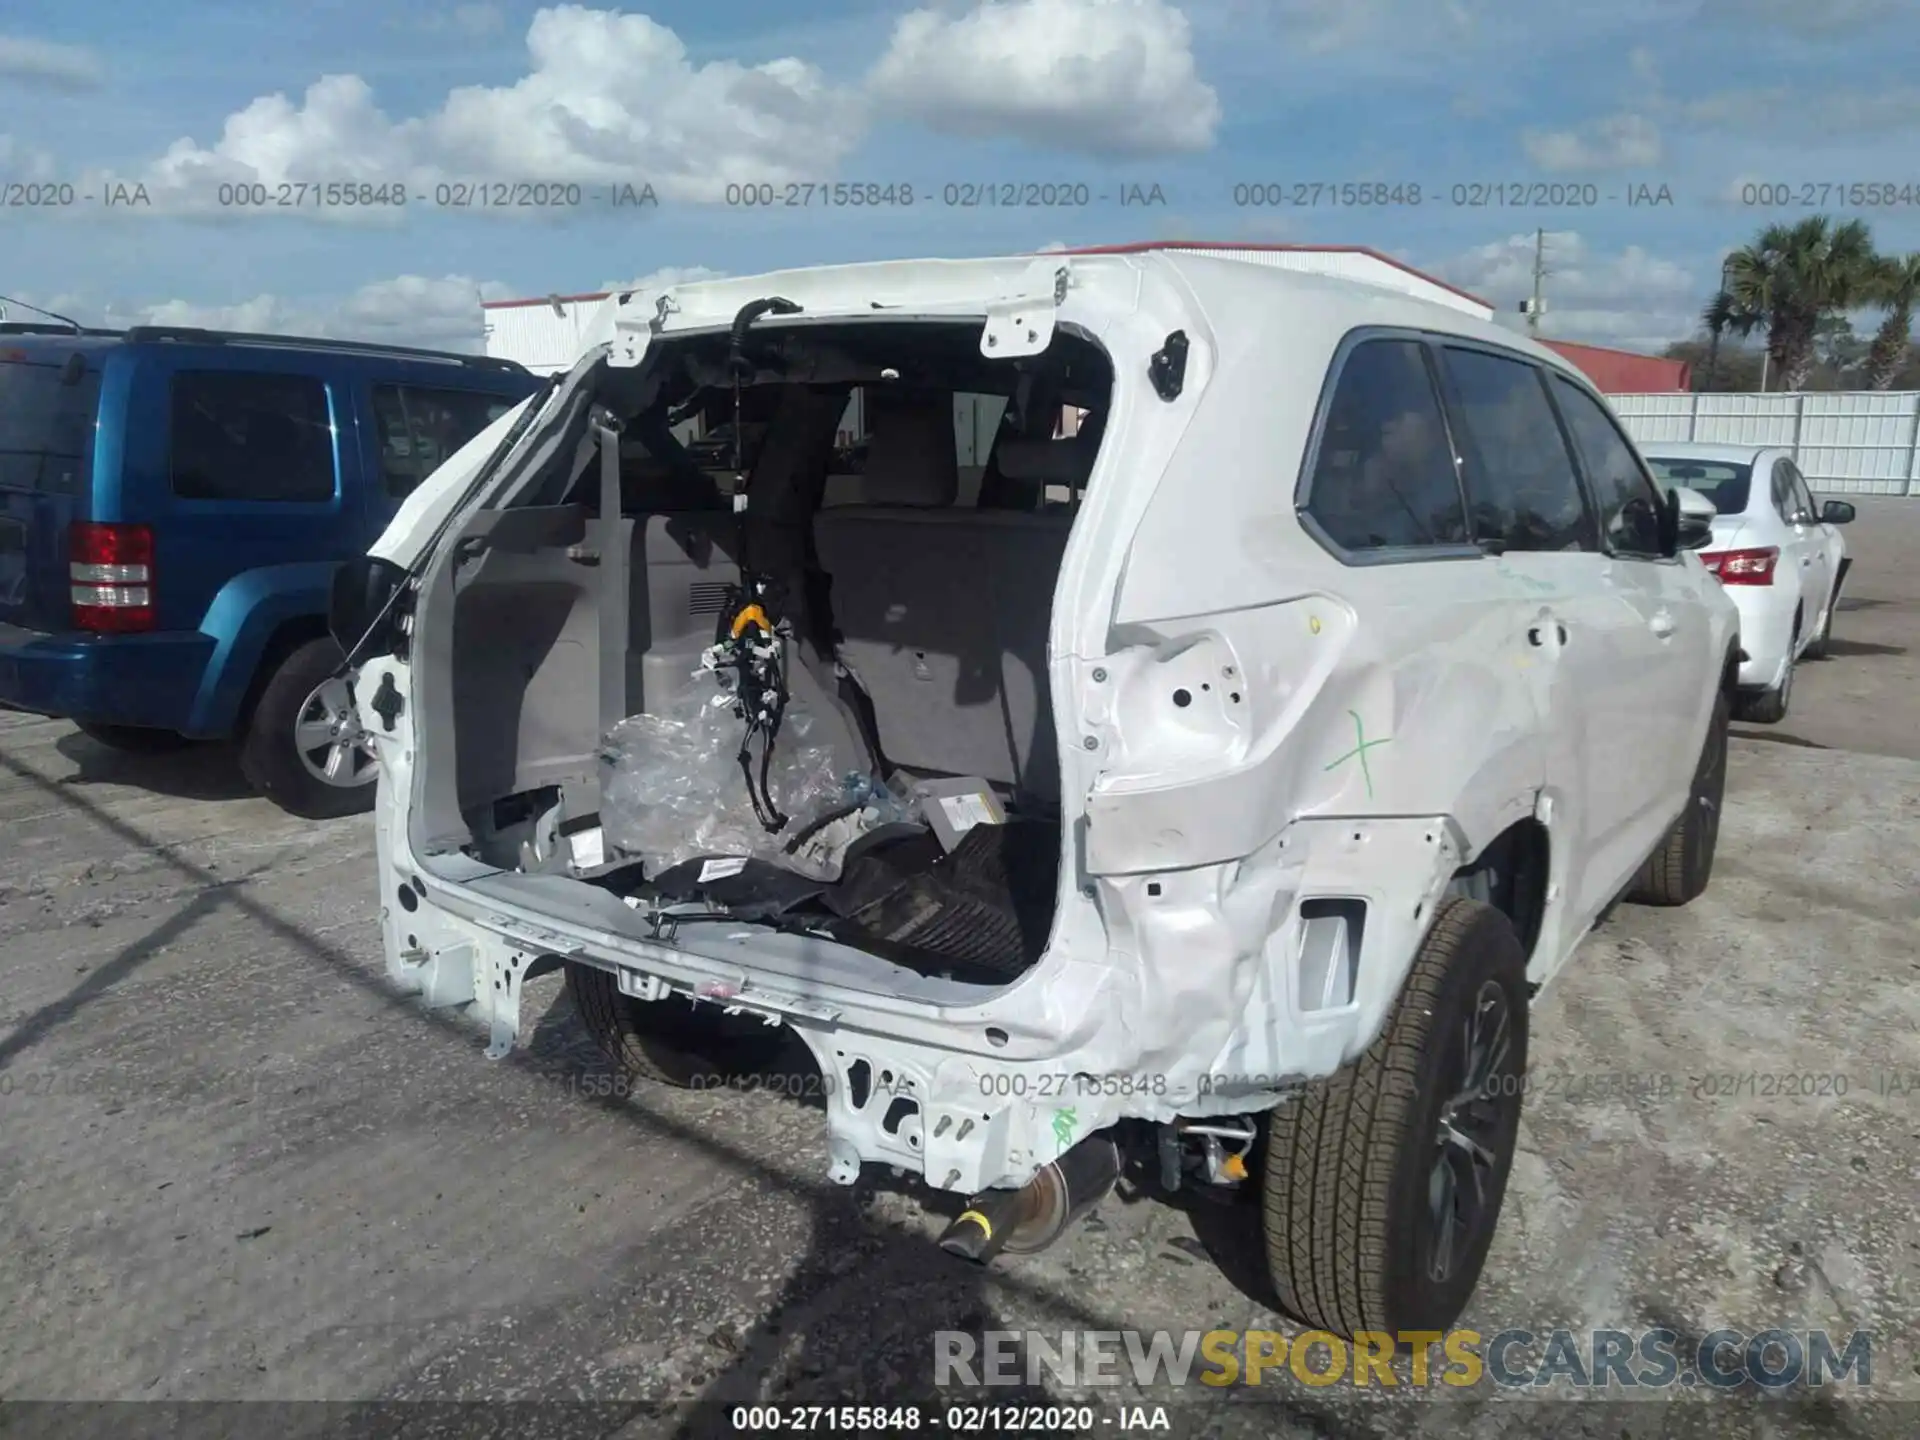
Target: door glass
420,428
1783,490
1802,496
244,435
1383,475
1521,483
1628,499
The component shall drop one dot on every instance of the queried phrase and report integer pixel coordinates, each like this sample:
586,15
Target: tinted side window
1802,496
243,436
1783,489
1384,475
1628,503
1521,483
420,428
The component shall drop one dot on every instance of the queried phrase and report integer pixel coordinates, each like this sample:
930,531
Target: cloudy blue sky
190,100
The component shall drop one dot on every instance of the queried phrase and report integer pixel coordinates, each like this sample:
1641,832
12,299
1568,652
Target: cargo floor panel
987,907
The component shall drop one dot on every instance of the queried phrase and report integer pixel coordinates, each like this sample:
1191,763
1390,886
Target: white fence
1852,442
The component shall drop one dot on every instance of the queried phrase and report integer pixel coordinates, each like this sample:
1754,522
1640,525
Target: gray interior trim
911,456
944,617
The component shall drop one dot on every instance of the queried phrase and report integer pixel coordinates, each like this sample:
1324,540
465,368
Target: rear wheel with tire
303,747
1680,869
674,1041
1382,1184
133,739
1817,647
1768,707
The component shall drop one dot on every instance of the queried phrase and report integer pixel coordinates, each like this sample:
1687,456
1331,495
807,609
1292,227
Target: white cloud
64,67
1629,298
1617,142
663,277
1109,78
608,98
440,313
19,161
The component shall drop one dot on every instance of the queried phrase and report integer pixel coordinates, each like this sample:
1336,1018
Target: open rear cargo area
915,767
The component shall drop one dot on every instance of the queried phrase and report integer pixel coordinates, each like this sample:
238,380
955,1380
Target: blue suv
173,505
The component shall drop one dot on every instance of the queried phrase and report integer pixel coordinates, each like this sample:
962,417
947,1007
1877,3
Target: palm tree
1895,286
1787,281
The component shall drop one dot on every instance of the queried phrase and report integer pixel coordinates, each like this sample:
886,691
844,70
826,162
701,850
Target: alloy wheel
328,737
1461,1191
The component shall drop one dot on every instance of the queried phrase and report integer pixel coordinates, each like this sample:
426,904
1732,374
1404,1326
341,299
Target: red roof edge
1137,247
1625,372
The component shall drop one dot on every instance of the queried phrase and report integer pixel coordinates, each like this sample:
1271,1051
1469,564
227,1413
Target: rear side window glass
1727,485
247,436
1521,483
1802,496
1383,474
1629,506
1783,490
45,426
420,428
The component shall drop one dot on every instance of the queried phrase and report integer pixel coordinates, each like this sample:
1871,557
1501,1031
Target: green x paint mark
1064,1122
1360,748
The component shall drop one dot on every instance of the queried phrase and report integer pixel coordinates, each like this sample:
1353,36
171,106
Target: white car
1781,557
1242,763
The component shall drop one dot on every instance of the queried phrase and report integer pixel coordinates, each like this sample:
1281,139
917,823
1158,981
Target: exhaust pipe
1031,1218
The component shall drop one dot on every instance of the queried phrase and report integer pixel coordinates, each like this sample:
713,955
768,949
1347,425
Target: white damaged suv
1187,735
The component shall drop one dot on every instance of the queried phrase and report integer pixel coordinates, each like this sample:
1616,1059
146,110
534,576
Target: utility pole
1539,275
1535,307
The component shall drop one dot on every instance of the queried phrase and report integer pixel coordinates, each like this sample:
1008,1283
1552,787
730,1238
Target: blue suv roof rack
189,335
47,327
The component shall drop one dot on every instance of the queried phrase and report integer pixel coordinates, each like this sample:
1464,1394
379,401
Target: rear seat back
683,565
944,612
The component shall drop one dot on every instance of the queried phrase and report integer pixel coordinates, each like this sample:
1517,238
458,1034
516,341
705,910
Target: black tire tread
639,1051
1817,647
1665,879
267,756
1332,1154
1767,707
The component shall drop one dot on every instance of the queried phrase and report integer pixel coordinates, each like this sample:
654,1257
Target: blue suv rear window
243,435
44,425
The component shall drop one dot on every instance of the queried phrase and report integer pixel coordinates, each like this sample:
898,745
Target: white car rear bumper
1766,632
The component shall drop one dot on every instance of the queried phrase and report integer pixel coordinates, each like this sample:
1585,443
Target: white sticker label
589,847
721,869
963,812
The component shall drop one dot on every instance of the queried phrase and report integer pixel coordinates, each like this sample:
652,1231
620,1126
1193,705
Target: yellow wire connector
1234,1168
751,615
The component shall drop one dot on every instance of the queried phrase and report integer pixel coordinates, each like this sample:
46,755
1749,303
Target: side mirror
361,589
1660,514
1836,512
1694,518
